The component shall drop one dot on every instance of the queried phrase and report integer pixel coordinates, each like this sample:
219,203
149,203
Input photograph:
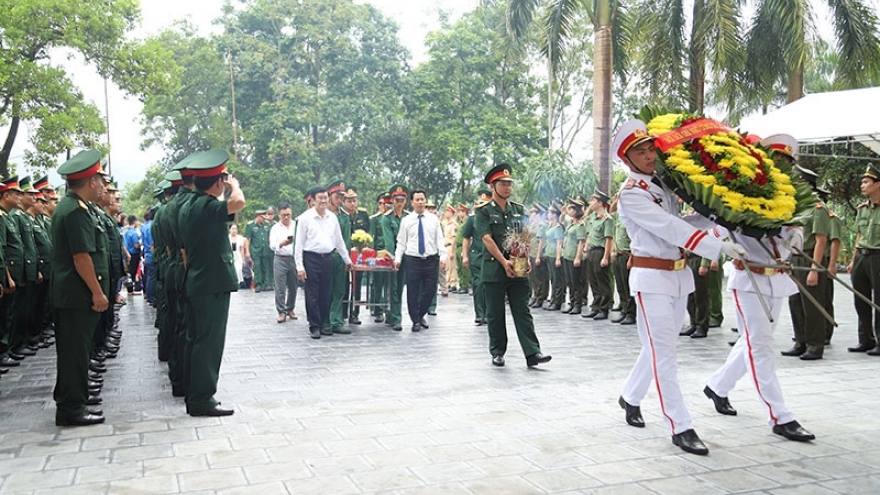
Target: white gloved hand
796,240
733,250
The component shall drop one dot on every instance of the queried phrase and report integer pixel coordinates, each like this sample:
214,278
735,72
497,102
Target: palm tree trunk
795,84
602,64
697,62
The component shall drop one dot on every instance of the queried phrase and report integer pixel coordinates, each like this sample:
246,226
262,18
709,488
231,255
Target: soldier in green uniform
390,229
164,193
600,243
339,279
865,265
572,250
210,276
10,195
358,219
806,319
256,235
379,280
715,280
105,209
25,292
472,257
79,286
43,222
550,247
620,262
540,276
30,322
492,222
464,273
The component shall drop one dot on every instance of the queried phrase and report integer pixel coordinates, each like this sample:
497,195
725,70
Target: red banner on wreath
694,130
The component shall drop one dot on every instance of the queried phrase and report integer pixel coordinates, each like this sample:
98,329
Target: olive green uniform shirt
203,228
621,236
573,234
25,224
600,229
490,219
552,234
76,230
868,226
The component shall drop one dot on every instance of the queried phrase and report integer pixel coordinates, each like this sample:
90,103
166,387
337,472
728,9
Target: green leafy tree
38,93
137,197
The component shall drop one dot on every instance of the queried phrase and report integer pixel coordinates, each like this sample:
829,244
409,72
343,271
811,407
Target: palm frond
660,30
520,14
858,44
556,26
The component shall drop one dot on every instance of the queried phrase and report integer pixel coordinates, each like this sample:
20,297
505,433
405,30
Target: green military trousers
74,329
806,318
338,284
599,279
205,339
517,291
476,262
395,297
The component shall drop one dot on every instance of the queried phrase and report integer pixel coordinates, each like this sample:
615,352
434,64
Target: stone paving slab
398,413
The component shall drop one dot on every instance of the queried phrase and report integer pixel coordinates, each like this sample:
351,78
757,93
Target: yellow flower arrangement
361,238
724,176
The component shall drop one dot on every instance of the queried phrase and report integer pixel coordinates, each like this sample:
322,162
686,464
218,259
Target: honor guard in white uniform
659,281
754,352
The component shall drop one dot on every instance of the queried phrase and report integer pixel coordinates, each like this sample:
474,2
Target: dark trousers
557,282
600,280
421,285
866,280
806,319
133,265
318,269
621,281
37,313
149,281
73,343
698,300
517,292
574,282
354,309
22,313
476,262
205,339
6,320
829,308
539,279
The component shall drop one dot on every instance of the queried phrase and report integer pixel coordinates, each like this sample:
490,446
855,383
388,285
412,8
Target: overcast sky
129,163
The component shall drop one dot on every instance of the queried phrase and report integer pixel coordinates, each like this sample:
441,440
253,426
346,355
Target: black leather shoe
397,328
536,359
794,431
633,413
617,319
732,343
83,419
701,333
378,319
97,366
566,310
813,356
24,351
689,442
424,324
616,308
326,331
714,324
794,351
94,401
342,331
553,308
874,352
94,412
497,360
862,347
314,333
576,311
432,313
8,362
687,332
95,377
591,314
16,356
722,404
354,320
3,371
416,327
602,315
628,320
44,344
478,321
33,347
214,411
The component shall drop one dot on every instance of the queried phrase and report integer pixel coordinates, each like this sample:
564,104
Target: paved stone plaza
390,412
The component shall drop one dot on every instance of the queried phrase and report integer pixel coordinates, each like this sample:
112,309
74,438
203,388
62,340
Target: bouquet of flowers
517,243
361,239
722,176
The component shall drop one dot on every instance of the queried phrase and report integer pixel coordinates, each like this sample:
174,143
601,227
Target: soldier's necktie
421,236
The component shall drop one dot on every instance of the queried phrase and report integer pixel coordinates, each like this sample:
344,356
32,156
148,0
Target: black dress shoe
83,419
536,359
732,343
24,351
478,322
701,333
591,314
424,324
722,404
687,332
689,442
628,320
8,362
354,320
633,413
617,319
33,347
397,327
862,347
616,308
794,351
3,371
314,333
44,344
326,331
94,412
341,330
566,310
378,319
16,356
553,308
417,327
485,321
95,377
714,324
602,315
874,352
794,431
497,360
213,411
576,311
432,313
94,401
813,356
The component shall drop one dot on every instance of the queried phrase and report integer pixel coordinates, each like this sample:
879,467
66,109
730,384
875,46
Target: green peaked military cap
398,190
183,165
42,183
82,165
310,194
26,186
174,176
211,163
498,172
159,192
11,184
872,172
336,186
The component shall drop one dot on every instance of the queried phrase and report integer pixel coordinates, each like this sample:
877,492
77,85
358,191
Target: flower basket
517,244
723,177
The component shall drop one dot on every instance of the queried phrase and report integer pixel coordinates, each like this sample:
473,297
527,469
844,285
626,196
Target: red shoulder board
643,185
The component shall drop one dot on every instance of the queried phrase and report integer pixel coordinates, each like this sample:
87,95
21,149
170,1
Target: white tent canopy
824,117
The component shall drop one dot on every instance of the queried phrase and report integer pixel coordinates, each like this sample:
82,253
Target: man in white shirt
420,241
317,238
284,268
